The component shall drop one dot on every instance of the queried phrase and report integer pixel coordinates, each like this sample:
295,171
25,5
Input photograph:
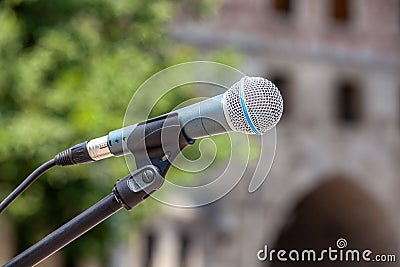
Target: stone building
336,171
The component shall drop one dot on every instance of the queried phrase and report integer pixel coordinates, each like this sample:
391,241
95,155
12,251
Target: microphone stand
152,160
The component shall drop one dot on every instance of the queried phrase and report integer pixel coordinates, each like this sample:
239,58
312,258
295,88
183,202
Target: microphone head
253,105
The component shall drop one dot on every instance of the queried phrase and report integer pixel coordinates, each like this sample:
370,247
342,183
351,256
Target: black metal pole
67,233
127,193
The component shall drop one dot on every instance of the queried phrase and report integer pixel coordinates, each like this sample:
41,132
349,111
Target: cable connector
77,154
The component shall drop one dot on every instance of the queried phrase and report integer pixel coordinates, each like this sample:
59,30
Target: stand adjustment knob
148,176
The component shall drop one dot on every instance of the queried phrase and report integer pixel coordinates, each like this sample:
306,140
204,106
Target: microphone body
252,105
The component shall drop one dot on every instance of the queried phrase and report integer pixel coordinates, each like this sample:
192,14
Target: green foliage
67,72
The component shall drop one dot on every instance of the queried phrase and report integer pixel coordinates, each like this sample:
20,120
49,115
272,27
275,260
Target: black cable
27,182
77,154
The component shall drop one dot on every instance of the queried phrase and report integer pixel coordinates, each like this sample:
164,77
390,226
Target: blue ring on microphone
246,114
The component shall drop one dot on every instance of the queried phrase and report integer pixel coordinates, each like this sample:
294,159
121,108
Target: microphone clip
158,142
154,144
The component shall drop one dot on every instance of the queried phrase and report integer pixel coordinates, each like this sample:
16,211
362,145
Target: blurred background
69,68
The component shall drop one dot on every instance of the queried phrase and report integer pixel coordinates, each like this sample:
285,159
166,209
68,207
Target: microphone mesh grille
262,100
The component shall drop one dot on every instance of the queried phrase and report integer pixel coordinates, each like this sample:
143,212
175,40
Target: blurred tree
67,72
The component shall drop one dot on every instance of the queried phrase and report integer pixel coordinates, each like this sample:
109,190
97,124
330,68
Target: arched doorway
336,209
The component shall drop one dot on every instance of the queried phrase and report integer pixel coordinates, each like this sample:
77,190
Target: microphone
252,105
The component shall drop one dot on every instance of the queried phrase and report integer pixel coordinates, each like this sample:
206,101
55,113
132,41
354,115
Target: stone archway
336,209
